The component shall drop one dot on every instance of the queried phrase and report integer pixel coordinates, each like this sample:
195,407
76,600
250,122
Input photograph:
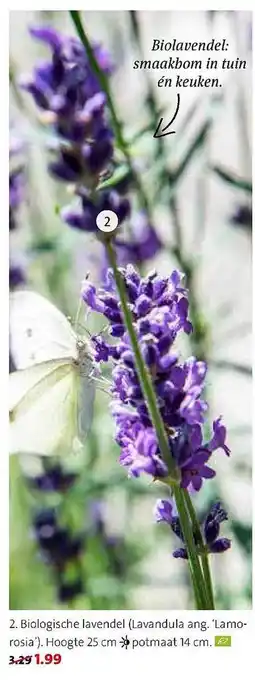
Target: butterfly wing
44,408
39,331
51,393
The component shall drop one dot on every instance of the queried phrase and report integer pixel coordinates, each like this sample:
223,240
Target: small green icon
222,641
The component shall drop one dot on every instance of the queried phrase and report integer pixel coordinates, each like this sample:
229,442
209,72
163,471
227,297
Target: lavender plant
72,105
59,549
158,406
157,399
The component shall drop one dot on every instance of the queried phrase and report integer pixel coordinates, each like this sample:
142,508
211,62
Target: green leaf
232,179
121,173
198,141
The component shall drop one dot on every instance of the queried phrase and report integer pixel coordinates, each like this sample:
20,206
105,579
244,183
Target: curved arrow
163,132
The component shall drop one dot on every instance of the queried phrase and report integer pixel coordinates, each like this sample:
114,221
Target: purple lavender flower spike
159,308
69,95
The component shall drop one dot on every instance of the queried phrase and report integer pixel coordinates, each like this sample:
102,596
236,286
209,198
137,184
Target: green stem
116,124
143,373
194,563
203,550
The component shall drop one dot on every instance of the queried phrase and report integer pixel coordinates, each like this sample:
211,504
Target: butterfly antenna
76,323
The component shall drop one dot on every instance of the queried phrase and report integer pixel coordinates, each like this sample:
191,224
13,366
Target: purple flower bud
48,35
117,330
17,276
181,552
163,511
128,358
212,523
89,296
143,305
101,349
221,545
150,354
219,437
67,170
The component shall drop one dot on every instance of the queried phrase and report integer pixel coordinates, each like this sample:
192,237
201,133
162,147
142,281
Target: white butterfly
52,391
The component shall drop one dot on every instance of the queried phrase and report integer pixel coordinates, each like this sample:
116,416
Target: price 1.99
36,658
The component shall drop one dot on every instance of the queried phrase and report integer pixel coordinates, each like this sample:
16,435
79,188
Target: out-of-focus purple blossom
55,479
17,180
83,216
242,217
68,93
59,548
17,193
17,276
159,308
56,544
141,244
164,512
